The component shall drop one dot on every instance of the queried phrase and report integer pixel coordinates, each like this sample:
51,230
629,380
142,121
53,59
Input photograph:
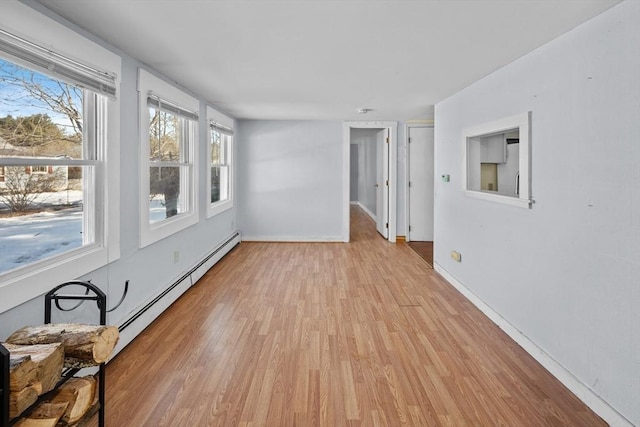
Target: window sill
218,208
498,198
30,282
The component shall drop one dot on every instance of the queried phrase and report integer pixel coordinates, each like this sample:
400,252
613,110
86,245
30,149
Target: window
496,161
169,122
220,150
55,115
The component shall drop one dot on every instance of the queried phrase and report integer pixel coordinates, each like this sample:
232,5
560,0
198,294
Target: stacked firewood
38,355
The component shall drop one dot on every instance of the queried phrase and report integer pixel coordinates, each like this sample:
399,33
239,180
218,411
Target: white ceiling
323,59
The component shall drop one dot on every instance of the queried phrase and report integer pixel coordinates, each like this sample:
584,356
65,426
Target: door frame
346,164
407,169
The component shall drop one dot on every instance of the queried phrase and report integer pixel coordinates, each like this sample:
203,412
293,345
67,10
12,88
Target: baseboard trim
400,240
577,387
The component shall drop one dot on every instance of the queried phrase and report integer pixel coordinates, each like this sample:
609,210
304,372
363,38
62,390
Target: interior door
382,183
421,193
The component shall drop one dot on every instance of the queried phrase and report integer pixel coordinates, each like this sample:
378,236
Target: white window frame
523,123
216,208
25,283
148,84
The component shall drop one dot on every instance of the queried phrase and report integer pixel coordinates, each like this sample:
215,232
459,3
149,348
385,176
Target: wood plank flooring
330,334
424,249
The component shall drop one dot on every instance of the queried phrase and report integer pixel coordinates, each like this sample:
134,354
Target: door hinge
409,140
409,228
387,183
386,225
409,184
387,140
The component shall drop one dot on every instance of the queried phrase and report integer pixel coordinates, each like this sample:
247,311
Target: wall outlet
176,256
446,178
456,256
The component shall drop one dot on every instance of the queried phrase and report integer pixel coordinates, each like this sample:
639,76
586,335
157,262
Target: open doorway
370,174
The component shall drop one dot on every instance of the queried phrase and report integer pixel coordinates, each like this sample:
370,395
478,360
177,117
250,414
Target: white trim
523,123
346,166
151,233
577,387
292,239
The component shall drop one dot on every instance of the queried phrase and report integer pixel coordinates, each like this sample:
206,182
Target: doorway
380,150
420,190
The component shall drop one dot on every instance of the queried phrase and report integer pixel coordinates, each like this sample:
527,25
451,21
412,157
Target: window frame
215,117
25,283
521,121
148,84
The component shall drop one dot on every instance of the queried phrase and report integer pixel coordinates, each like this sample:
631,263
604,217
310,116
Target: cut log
47,358
21,400
22,371
44,415
91,344
79,393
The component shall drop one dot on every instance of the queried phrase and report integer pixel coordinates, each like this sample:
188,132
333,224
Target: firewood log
47,360
22,372
21,400
90,344
79,393
44,415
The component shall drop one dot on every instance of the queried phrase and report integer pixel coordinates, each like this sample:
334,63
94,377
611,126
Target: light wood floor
330,334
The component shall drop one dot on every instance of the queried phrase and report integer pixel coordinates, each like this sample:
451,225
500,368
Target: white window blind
221,128
155,101
49,62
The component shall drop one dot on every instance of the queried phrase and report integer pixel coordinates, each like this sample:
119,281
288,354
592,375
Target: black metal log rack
92,293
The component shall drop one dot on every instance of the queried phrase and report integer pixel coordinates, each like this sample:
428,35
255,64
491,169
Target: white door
382,183
421,172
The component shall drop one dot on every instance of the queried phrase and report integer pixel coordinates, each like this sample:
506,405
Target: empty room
319,213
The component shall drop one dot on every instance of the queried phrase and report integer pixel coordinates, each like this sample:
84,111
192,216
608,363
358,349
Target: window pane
165,136
43,206
167,198
39,116
41,214
219,167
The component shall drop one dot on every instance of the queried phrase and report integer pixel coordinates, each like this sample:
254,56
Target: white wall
151,269
565,273
290,180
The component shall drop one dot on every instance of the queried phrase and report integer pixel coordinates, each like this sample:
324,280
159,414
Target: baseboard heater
159,303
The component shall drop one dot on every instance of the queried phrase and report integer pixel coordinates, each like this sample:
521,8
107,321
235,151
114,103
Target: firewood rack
92,293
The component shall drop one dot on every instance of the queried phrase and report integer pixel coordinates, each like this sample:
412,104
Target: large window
58,120
169,121
220,151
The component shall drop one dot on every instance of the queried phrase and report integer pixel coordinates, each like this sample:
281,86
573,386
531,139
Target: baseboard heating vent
142,318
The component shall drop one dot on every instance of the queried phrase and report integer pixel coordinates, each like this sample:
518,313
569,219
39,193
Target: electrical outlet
446,178
176,256
456,256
